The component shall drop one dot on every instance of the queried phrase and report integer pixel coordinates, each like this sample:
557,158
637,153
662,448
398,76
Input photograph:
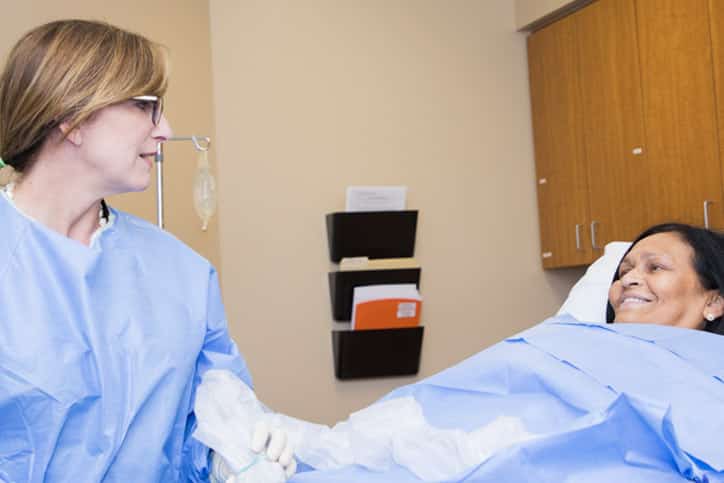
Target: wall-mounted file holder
377,353
372,234
342,284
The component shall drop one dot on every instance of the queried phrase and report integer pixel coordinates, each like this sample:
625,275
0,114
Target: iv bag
204,190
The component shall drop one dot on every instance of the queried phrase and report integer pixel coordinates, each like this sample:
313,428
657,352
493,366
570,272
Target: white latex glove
275,465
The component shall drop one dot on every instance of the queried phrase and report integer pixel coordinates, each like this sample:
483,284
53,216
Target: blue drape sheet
622,402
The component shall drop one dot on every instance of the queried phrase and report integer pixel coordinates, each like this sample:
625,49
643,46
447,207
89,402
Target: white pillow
587,299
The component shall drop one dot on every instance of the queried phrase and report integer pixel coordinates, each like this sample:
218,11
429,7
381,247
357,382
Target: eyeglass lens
157,111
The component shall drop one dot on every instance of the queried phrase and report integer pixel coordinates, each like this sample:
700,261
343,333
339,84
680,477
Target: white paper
376,198
406,310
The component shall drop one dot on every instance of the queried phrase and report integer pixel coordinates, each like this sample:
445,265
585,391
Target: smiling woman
673,274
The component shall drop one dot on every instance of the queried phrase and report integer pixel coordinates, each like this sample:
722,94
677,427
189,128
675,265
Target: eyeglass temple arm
201,143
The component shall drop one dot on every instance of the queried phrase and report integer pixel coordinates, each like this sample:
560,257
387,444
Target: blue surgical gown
101,349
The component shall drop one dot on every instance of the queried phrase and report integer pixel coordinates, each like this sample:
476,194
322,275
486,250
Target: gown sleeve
218,352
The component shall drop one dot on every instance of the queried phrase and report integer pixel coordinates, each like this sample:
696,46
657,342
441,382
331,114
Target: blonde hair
64,71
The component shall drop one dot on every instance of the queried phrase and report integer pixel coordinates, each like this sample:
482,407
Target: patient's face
658,284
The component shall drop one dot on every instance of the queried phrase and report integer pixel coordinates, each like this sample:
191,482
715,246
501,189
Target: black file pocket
372,234
342,284
379,234
377,353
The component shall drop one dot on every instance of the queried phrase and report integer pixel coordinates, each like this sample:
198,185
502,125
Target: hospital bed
596,403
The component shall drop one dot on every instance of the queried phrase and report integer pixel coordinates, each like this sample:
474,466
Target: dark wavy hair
708,262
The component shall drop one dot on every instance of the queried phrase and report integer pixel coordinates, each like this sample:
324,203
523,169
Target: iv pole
159,168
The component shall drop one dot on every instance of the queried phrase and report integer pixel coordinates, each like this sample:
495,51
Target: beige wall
310,99
530,11
313,96
183,26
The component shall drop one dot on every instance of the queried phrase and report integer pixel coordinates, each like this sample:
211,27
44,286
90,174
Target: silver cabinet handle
593,236
706,213
578,237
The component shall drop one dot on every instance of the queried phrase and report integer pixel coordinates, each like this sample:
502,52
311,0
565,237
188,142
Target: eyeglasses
154,104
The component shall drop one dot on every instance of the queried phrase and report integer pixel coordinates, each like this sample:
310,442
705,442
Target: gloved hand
273,463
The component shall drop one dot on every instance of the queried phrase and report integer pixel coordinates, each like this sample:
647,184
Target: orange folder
387,314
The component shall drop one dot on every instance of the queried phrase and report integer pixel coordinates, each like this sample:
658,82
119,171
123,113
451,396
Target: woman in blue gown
106,322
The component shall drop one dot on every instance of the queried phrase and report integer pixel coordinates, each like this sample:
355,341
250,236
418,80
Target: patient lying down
672,275
566,400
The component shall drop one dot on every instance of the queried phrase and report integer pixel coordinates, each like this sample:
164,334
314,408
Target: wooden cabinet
559,150
639,77
679,108
613,121
716,16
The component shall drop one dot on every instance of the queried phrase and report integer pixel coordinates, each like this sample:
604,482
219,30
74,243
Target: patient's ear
72,135
714,305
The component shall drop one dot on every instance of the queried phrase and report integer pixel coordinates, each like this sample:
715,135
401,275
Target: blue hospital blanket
610,403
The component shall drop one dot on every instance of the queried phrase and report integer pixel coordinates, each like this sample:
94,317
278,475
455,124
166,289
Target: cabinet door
716,15
559,152
679,108
618,176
